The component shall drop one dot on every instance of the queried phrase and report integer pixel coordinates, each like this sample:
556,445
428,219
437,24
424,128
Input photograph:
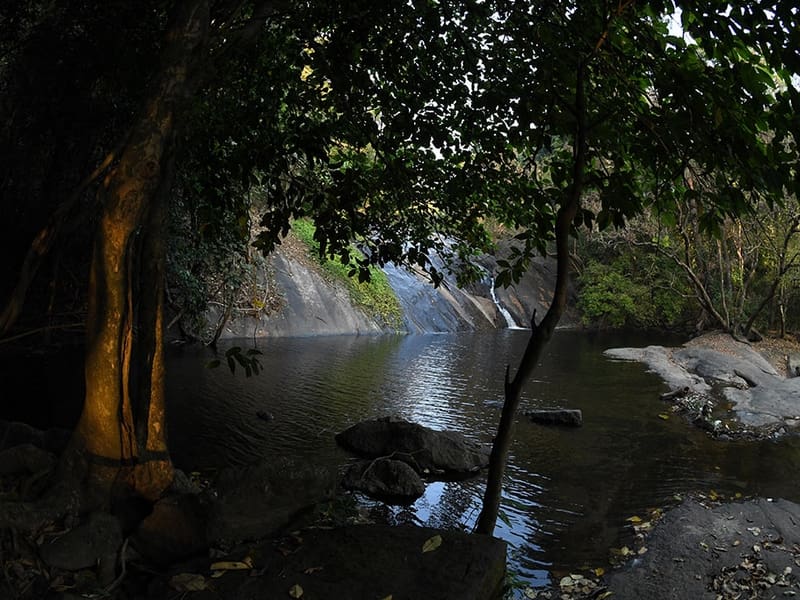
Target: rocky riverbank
273,529
727,387
707,548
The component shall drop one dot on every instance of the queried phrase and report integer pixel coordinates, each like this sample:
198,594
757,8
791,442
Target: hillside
312,302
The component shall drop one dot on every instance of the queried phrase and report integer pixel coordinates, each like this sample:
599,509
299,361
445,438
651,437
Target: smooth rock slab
760,396
258,500
693,544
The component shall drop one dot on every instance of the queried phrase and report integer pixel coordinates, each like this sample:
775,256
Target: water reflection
567,491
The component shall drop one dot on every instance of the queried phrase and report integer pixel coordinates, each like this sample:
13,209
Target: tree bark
122,430
541,333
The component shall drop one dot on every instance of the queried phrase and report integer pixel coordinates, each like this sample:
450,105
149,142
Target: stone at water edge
385,479
258,500
556,416
373,561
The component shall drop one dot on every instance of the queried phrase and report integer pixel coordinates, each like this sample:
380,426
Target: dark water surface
568,492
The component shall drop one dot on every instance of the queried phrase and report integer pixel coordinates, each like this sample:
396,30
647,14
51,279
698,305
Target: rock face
430,452
313,304
384,478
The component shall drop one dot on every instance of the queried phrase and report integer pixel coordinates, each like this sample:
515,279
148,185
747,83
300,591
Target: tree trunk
541,333
122,431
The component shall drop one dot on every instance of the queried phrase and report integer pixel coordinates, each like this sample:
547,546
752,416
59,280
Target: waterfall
510,322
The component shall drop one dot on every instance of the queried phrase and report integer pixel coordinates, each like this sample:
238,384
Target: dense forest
151,150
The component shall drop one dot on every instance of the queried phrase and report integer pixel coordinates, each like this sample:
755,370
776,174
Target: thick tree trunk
122,428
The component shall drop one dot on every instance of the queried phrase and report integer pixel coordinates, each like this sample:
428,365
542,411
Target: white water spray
510,322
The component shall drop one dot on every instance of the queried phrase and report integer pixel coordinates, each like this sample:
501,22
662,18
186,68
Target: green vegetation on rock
375,295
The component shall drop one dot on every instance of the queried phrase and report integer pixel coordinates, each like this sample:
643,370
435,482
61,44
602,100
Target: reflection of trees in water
386,514
445,505
456,507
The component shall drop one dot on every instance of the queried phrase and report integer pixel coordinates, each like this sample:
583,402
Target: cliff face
312,304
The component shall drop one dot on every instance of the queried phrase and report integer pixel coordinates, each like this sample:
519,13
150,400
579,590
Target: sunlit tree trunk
122,430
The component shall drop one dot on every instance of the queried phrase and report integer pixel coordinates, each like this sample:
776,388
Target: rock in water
385,479
427,450
556,416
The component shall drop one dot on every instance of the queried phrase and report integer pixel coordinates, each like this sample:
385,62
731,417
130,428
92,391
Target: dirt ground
774,349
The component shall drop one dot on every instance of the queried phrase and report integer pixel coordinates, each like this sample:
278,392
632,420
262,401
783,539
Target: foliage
207,261
402,129
738,279
247,360
374,294
623,293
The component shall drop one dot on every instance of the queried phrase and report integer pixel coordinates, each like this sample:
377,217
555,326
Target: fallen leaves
751,578
233,565
576,585
296,591
572,586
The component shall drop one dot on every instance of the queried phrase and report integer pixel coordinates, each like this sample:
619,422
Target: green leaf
432,543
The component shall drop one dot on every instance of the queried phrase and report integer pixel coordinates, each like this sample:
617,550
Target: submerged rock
426,450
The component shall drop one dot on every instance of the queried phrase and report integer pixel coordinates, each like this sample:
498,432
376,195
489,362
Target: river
568,492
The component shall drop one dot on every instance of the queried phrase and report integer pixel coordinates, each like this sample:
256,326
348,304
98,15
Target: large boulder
25,458
14,433
430,452
384,479
364,561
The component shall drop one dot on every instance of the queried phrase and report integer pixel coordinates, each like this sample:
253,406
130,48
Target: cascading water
510,322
